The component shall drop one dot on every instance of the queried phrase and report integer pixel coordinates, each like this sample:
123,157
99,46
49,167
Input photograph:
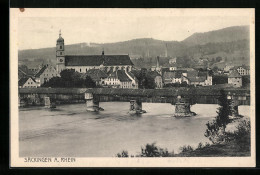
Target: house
208,75
235,79
121,79
195,80
83,63
243,70
97,75
27,82
133,78
203,78
172,77
45,74
157,78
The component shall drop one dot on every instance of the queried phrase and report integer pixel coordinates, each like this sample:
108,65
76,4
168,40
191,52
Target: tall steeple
60,53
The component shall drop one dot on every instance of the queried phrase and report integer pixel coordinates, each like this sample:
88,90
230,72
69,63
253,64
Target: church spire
60,33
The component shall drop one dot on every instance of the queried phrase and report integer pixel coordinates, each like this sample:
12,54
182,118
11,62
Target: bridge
182,98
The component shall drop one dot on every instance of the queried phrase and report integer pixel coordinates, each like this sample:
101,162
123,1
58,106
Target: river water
71,131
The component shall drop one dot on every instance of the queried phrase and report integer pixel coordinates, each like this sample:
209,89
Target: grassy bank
229,149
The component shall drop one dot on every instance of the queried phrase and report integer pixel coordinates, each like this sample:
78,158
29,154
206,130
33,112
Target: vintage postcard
132,87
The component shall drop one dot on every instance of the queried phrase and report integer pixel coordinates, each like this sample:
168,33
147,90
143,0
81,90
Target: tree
89,83
67,74
122,154
215,131
151,150
224,111
149,82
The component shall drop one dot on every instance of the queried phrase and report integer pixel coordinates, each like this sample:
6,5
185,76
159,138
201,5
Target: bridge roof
163,92
148,92
135,92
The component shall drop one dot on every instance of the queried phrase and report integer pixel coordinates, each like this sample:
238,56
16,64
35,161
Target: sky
41,30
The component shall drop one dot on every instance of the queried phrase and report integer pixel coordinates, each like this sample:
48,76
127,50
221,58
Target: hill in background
232,44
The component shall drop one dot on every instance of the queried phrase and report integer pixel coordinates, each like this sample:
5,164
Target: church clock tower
60,54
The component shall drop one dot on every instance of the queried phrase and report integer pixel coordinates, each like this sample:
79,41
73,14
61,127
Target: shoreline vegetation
235,144
224,143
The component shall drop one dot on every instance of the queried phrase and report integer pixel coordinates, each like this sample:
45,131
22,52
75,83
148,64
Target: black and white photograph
132,87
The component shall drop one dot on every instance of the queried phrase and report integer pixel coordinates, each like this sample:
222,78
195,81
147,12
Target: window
60,47
60,53
79,70
86,69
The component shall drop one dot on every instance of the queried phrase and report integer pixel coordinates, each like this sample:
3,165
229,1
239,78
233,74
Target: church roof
97,60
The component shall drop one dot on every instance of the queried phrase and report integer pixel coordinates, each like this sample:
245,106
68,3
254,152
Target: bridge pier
182,108
91,103
234,110
136,107
49,103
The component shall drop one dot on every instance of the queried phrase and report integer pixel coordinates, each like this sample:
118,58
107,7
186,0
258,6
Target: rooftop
121,75
23,80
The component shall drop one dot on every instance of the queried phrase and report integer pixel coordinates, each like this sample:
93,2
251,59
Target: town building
243,70
197,78
27,82
235,79
97,75
45,74
172,77
121,79
83,63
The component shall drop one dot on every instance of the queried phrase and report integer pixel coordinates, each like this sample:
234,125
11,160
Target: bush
214,132
200,146
151,150
186,148
122,154
242,135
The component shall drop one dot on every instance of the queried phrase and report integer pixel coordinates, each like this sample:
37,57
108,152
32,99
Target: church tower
60,54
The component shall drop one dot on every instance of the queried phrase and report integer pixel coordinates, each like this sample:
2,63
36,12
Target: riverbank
229,149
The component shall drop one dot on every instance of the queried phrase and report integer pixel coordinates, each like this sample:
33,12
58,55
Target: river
71,131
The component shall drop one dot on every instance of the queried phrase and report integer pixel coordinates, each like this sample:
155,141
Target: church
83,63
